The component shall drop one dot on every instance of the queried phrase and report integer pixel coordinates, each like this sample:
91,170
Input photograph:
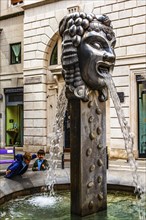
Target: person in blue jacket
19,166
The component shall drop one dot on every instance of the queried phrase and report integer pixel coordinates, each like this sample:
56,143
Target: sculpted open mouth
103,69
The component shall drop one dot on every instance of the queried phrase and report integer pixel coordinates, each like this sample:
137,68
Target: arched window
54,56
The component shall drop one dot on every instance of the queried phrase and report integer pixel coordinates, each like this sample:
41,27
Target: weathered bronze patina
87,59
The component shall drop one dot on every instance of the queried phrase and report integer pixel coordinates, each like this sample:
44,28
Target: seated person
19,166
41,163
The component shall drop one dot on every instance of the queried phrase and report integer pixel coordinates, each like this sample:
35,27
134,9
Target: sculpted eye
96,45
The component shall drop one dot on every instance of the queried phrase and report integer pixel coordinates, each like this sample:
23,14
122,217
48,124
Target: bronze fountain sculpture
88,58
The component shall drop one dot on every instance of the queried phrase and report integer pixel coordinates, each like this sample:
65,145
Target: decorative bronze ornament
91,118
90,184
87,53
91,204
89,151
92,168
98,111
100,162
100,196
99,130
99,179
92,135
99,146
90,104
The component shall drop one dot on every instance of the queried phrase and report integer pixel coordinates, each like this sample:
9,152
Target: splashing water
129,143
55,151
57,207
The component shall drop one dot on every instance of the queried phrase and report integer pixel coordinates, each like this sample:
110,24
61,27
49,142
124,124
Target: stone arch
49,48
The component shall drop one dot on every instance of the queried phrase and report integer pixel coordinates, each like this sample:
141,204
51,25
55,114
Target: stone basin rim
59,187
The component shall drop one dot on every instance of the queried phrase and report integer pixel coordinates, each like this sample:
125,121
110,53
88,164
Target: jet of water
129,143
127,134
55,141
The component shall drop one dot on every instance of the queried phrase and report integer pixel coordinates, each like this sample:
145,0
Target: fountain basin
32,182
41,206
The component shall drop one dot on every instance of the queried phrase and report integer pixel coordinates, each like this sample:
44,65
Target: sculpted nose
109,57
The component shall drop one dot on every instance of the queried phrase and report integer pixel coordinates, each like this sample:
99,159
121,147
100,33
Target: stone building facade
38,77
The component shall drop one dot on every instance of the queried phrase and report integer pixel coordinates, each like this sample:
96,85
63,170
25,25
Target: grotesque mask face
96,60
88,53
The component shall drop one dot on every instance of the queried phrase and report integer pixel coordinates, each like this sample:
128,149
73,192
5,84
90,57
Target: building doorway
14,116
141,87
